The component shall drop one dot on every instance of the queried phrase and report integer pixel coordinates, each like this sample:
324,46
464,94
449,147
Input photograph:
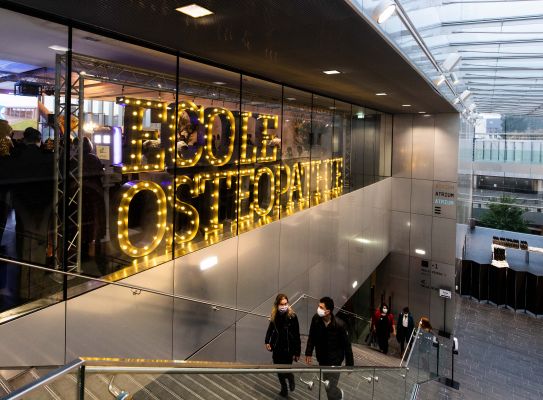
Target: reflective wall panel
118,322
209,274
36,339
258,265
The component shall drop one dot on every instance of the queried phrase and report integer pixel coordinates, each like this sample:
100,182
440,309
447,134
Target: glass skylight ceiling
500,41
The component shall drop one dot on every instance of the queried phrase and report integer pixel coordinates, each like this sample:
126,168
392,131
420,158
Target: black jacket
283,335
403,332
330,342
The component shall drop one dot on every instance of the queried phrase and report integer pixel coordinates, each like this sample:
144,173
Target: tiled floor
501,353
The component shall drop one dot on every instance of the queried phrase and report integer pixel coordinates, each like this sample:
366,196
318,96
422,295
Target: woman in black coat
283,339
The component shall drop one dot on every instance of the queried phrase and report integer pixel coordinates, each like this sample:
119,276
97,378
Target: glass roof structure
500,44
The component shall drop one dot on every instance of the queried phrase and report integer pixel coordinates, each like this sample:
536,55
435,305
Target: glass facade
160,156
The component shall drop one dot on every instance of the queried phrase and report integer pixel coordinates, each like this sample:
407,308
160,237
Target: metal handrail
414,337
50,377
215,306
98,366
86,366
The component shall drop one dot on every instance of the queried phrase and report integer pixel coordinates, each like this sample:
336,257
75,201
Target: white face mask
320,312
283,309
385,310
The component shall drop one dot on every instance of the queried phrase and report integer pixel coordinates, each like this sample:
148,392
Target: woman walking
283,339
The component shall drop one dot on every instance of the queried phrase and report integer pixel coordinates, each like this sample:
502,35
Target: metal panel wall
116,322
329,249
36,339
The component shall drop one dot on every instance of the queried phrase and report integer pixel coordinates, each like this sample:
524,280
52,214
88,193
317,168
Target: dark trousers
284,377
402,340
333,393
383,343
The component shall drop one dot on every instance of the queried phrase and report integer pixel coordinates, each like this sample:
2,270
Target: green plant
504,215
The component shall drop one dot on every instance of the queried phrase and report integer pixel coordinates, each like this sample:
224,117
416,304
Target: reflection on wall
423,218
210,202
172,159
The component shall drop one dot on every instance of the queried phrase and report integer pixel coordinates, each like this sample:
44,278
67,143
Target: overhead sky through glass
500,41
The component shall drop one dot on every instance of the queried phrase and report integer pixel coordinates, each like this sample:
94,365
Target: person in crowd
404,328
283,339
384,326
33,188
187,144
328,336
93,224
427,342
6,147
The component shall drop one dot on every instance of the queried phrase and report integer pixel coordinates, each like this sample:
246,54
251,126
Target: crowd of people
27,187
329,339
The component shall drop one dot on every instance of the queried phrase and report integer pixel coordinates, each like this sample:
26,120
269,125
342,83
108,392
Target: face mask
385,310
283,309
320,312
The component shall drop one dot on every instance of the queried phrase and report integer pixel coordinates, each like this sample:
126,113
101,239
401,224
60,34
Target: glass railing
135,379
425,360
524,151
62,383
428,357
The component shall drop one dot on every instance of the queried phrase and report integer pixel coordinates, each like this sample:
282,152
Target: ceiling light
383,11
381,94
332,72
427,115
209,262
406,105
291,98
420,251
439,80
355,284
194,10
422,112
364,241
451,61
219,83
56,47
464,95
454,78
360,115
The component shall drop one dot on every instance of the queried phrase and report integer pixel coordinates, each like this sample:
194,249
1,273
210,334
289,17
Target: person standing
283,339
329,338
6,147
404,328
384,327
32,191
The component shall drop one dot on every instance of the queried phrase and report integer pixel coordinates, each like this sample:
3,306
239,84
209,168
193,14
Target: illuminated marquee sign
243,176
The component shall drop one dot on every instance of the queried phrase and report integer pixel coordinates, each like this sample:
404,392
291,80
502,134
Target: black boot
291,383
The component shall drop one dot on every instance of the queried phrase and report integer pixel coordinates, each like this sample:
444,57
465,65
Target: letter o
130,190
264,171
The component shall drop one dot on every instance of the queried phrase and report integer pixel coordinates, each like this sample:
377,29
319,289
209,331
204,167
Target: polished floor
501,353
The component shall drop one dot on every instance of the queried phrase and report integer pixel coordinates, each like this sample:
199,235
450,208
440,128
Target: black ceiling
289,41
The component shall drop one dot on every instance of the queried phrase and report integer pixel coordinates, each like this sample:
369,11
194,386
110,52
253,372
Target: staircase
361,384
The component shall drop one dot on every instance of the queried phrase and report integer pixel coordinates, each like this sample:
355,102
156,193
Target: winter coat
283,335
331,342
